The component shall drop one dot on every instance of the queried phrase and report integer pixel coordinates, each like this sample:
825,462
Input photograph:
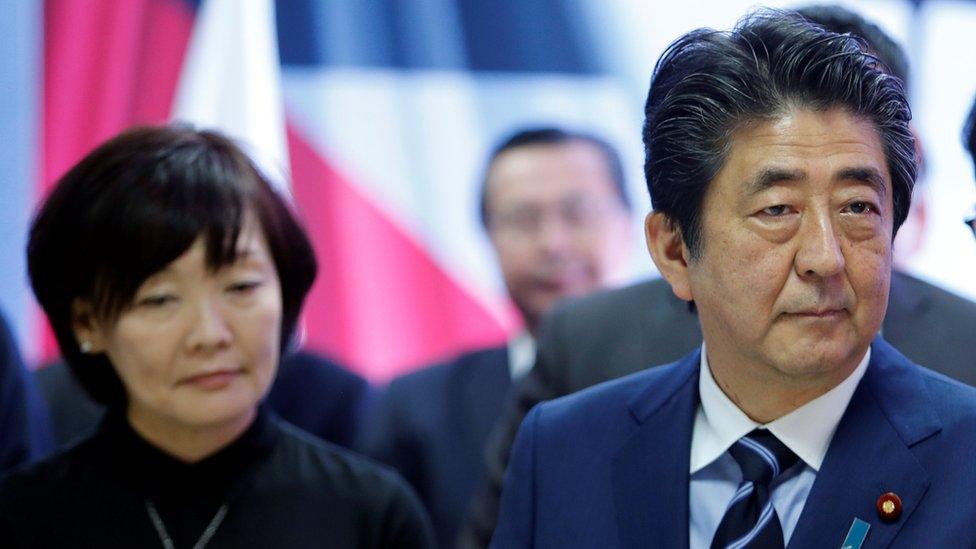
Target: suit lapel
650,471
870,455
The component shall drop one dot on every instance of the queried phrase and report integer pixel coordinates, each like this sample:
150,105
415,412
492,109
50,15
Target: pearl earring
86,346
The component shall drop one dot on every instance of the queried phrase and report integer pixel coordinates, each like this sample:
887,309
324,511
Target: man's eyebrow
769,177
866,175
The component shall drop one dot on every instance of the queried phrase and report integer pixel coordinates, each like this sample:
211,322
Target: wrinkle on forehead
771,176
778,150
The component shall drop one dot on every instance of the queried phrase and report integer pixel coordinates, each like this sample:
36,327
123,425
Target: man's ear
87,329
667,248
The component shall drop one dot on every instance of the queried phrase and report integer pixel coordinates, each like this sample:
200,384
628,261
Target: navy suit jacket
432,425
608,467
610,334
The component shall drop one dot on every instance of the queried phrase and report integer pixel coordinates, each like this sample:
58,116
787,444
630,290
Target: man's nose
555,234
819,253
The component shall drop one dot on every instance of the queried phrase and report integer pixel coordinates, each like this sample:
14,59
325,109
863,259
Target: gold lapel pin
889,507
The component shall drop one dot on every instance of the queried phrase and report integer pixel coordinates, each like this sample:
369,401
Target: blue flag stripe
497,36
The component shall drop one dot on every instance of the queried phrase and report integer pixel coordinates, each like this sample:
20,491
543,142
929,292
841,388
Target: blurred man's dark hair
842,20
550,135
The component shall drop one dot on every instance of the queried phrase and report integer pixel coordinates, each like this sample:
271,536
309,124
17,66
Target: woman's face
199,349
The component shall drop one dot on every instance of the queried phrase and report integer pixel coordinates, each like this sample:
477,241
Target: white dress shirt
521,354
715,475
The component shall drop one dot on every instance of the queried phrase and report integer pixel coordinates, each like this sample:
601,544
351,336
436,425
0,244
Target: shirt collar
521,354
806,431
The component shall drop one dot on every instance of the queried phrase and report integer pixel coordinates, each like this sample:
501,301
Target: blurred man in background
615,333
554,205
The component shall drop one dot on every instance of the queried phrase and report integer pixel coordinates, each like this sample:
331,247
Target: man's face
792,283
556,222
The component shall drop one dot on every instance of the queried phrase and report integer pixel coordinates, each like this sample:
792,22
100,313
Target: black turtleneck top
281,486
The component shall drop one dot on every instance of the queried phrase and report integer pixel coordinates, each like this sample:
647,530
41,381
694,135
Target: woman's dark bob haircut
134,205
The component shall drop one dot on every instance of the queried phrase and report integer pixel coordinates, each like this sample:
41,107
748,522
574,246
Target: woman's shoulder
351,474
371,494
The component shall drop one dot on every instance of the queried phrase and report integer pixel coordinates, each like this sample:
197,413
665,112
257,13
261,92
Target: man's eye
777,210
861,207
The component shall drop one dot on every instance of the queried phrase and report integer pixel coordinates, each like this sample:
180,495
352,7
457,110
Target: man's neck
766,394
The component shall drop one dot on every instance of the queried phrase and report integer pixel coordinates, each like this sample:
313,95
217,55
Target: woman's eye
776,211
243,287
153,301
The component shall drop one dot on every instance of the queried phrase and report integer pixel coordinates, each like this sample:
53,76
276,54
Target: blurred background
377,116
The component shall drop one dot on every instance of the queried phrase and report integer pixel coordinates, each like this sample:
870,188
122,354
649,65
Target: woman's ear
667,248
87,329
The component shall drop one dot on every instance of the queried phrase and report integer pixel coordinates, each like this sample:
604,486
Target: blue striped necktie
750,520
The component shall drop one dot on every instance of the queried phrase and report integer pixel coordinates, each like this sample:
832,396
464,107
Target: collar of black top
159,476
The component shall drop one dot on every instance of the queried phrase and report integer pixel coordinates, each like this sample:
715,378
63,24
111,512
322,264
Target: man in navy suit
554,207
780,164
617,332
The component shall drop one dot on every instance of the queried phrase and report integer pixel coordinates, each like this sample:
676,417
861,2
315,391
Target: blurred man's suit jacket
432,425
25,430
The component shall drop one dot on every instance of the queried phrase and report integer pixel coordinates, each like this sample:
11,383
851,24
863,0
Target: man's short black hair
969,134
709,83
132,206
553,136
842,20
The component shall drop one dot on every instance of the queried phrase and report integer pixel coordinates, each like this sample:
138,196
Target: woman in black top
173,276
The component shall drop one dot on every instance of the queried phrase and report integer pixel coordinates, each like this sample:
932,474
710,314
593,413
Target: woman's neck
188,444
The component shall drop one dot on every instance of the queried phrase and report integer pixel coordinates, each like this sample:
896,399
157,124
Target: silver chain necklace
167,541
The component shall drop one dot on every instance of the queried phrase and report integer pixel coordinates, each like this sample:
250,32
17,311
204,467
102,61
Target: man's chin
810,360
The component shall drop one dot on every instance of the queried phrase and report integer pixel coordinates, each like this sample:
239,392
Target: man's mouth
820,313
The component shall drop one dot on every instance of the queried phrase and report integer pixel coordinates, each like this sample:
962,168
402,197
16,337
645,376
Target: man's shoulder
423,399
303,369
635,395
492,361
918,397
648,296
932,326
953,399
616,332
907,287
